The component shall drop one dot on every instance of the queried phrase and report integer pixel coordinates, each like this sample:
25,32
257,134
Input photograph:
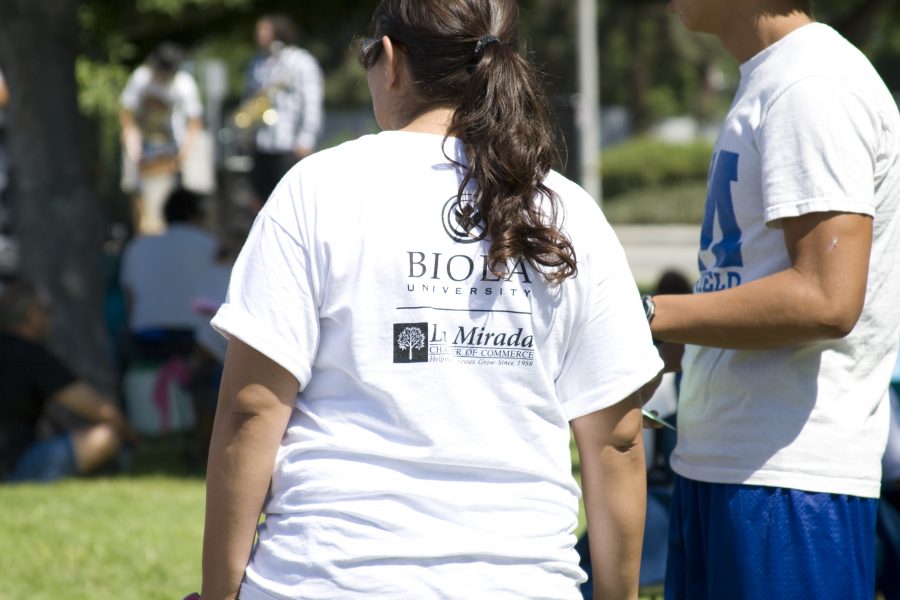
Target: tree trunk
57,217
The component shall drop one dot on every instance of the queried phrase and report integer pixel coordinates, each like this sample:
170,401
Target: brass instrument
258,109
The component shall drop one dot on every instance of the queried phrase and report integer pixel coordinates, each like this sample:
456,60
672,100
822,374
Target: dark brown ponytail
463,54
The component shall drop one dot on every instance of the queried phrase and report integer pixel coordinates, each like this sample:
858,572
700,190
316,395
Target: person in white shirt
159,274
792,330
161,118
417,319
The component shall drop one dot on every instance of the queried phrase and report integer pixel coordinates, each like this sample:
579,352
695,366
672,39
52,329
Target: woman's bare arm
614,485
255,402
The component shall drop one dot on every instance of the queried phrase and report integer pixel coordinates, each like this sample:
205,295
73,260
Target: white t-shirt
812,129
162,110
161,273
429,455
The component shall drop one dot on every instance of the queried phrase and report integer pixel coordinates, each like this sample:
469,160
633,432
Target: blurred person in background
161,119
208,357
159,275
31,379
409,348
792,330
283,100
4,156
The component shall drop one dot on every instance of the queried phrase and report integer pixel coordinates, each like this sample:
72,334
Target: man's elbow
837,319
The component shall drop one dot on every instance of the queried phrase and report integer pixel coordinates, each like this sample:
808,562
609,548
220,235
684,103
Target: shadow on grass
167,455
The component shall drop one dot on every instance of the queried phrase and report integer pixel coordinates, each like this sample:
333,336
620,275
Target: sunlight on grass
117,539
91,539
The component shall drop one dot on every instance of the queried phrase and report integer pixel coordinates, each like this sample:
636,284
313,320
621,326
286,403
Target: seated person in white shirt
159,275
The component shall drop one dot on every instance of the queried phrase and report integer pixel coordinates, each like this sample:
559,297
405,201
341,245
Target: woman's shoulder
346,154
579,215
573,199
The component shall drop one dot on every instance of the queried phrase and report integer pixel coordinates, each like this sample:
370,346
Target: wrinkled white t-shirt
429,453
812,129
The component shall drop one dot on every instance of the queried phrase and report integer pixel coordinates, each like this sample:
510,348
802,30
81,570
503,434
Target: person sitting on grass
31,378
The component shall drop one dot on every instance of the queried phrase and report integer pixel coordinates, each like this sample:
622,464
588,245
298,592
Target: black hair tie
483,43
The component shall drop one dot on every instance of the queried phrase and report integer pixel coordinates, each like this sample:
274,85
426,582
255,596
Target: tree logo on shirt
410,342
463,221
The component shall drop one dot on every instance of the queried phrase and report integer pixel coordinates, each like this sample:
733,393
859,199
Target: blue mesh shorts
744,542
46,460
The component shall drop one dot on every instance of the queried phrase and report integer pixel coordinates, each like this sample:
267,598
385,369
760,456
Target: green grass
93,539
127,537
576,471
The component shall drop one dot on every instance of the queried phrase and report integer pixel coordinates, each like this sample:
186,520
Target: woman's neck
436,120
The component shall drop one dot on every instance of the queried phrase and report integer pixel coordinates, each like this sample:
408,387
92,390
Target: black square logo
410,342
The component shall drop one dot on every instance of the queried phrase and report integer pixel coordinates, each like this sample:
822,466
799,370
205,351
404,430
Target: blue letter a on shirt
720,206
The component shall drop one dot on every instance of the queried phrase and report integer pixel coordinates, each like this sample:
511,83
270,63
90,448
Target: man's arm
4,92
819,297
192,133
87,402
255,402
131,135
189,93
614,485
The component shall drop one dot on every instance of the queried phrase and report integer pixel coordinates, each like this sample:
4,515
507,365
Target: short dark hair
166,57
786,7
673,282
16,299
283,28
182,206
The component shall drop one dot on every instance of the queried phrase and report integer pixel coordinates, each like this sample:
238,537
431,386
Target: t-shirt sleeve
190,96
271,304
131,94
818,147
611,354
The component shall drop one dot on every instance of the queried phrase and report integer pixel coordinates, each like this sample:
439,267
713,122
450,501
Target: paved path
651,249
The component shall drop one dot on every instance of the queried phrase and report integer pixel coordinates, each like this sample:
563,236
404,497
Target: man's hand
671,355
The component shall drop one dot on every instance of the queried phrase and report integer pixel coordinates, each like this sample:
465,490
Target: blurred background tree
66,62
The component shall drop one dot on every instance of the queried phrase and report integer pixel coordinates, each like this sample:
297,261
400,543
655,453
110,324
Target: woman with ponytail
415,322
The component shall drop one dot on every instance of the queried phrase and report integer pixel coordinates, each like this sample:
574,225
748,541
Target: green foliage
648,163
678,203
174,8
99,85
